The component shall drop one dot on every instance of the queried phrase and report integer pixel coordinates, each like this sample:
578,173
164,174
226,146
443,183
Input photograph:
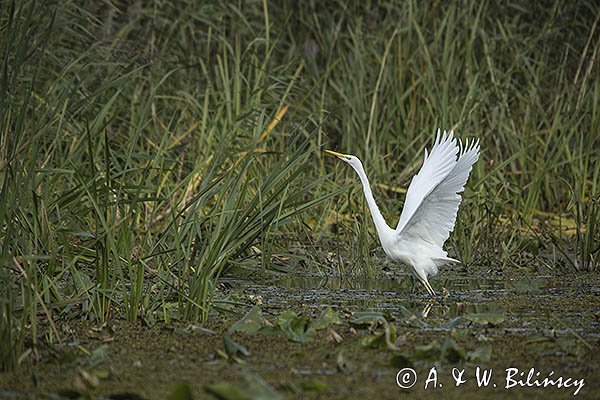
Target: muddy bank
504,326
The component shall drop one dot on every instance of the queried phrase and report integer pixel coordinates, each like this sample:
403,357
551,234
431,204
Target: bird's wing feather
436,166
435,216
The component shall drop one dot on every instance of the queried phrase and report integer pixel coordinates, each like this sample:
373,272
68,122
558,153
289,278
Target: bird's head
347,158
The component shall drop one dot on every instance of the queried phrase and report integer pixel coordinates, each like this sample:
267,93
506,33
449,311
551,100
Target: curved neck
380,224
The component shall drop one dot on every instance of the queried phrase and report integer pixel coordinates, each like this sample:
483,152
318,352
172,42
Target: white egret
430,208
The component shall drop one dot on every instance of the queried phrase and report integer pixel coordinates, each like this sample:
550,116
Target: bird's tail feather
439,261
432,269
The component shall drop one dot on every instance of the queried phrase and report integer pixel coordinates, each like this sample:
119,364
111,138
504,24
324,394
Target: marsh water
534,328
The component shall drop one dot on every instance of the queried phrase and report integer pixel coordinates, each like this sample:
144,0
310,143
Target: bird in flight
430,208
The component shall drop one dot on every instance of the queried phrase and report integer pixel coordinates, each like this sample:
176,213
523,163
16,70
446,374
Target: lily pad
491,318
296,328
480,354
327,318
366,318
250,323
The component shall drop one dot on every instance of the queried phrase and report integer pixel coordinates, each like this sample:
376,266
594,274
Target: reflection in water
336,283
426,310
402,283
470,300
396,296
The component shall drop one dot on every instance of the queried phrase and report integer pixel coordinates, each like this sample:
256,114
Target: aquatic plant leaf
182,392
250,323
491,318
480,354
327,317
99,355
451,351
366,318
269,330
234,349
296,328
101,374
401,361
452,323
429,351
314,386
227,391
342,363
378,340
250,387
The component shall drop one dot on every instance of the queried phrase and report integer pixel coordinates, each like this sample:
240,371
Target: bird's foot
426,310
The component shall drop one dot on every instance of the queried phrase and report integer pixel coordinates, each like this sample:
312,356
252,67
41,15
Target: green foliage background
138,161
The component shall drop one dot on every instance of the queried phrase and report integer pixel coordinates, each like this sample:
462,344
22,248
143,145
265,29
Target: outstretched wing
433,196
436,166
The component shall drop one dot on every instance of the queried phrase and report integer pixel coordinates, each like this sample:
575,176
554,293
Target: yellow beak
334,153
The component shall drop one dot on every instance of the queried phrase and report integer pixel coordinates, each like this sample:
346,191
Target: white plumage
430,209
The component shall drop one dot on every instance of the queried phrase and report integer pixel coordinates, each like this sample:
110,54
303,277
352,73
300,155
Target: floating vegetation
161,174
